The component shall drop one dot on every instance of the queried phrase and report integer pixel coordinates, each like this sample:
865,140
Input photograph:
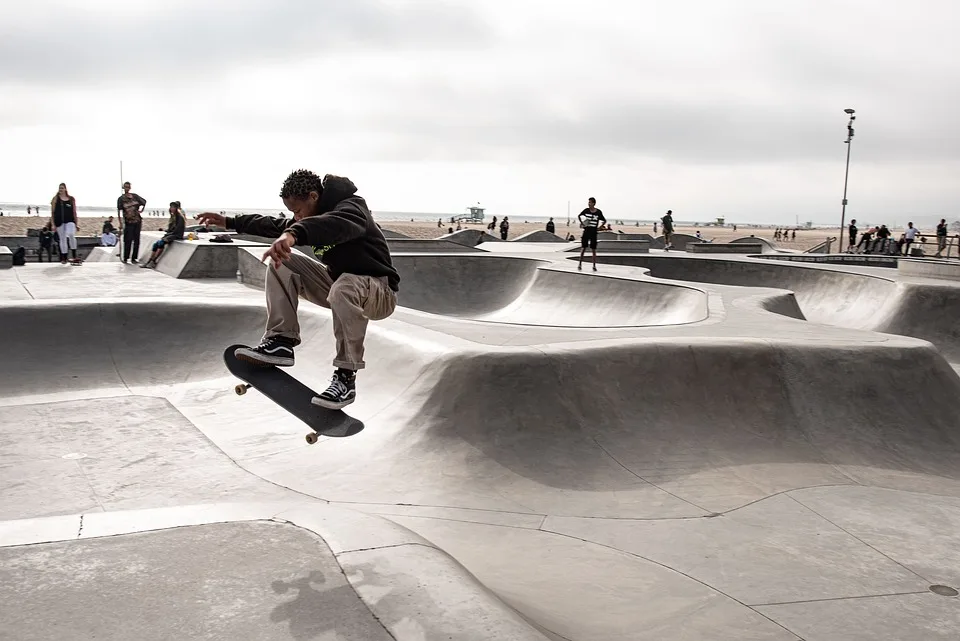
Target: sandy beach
806,238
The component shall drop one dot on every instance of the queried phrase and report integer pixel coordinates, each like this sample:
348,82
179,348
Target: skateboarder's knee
342,292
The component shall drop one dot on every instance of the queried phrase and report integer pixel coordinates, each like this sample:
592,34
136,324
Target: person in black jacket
46,244
355,277
175,229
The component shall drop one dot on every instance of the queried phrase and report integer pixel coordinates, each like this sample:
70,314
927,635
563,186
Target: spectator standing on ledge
590,221
667,221
908,237
63,215
941,237
852,235
551,227
130,208
504,228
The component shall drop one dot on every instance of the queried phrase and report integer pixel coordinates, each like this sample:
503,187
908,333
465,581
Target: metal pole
846,176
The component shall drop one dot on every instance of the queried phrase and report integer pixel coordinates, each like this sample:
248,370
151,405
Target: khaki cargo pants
354,300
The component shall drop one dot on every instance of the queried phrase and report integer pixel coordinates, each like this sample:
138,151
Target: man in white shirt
909,236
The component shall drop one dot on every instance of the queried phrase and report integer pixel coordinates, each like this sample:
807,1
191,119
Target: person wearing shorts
590,219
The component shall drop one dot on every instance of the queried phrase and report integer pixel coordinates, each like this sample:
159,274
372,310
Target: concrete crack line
681,573
838,598
857,538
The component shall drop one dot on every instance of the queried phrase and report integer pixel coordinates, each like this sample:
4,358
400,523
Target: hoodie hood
335,189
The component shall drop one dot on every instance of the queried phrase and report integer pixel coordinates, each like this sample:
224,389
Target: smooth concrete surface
539,236
413,245
610,235
469,237
620,246
224,581
724,248
785,467
930,268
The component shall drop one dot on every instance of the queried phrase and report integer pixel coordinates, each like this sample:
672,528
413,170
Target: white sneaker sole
257,358
331,405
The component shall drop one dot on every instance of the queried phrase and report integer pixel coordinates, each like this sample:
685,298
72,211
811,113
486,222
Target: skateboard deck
292,395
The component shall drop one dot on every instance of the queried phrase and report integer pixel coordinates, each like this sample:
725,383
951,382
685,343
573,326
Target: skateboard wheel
240,389
312,438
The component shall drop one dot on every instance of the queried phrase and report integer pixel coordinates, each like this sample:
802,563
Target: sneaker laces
337,387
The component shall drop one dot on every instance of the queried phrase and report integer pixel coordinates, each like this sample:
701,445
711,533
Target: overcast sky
707,107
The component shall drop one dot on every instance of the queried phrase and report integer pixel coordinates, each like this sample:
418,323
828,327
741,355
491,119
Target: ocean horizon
20,209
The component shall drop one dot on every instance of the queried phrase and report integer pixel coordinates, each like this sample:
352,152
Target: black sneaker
271,351
341,392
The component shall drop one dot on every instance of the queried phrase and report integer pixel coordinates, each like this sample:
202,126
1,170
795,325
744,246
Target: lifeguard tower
474,214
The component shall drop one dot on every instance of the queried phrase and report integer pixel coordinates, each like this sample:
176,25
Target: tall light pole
846,175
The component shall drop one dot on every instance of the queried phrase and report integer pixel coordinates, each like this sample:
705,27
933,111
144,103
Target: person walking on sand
63,217
175,229
130,208
355,279
590,221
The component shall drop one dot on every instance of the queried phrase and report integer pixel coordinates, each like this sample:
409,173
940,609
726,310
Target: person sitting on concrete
356,279
46,243
174,231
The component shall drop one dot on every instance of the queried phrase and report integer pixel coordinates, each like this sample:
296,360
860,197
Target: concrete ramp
413,245
469,237
830,296
516,290
539,236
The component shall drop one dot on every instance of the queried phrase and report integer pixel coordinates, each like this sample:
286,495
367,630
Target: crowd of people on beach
61,230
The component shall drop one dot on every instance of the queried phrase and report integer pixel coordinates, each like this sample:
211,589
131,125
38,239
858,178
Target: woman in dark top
63,216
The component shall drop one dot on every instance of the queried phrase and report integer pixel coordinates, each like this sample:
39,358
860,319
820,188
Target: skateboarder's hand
280,250
207,218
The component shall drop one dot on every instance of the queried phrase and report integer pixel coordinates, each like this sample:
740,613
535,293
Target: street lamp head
849,111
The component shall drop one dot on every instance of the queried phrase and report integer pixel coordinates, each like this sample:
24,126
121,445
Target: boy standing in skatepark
355,279
590,222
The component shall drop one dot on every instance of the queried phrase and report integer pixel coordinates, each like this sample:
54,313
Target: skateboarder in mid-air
356,279
590,220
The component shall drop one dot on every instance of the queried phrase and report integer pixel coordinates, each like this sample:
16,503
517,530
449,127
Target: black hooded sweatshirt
343,235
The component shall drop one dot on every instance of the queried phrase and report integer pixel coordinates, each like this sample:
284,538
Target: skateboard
291,395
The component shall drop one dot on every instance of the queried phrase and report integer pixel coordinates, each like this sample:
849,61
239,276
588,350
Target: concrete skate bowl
95,345
469,237
520,291
768,246
679,241
829,296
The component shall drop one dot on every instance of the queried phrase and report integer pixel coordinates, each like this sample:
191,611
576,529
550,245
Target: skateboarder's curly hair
300,183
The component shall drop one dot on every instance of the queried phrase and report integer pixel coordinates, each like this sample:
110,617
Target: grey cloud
434,122
83,50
